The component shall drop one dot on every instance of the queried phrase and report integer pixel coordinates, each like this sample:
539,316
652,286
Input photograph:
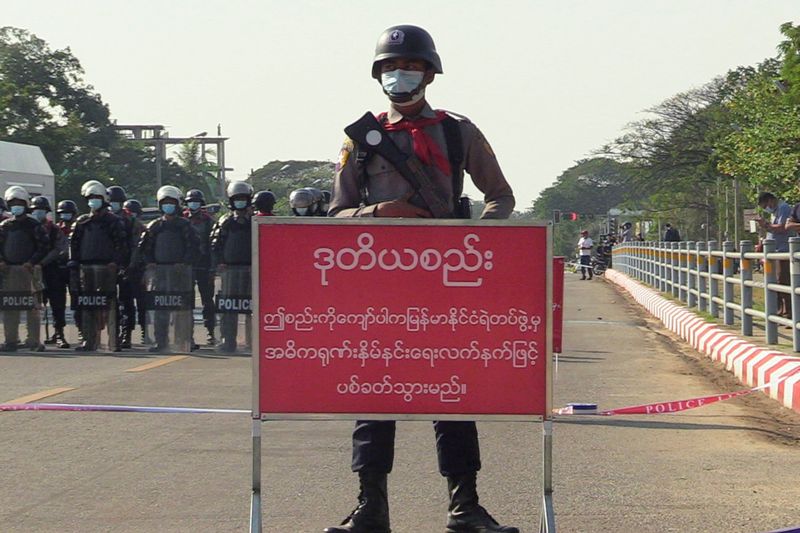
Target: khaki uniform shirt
383,182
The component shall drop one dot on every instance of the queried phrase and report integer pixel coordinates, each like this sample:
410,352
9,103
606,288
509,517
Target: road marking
40,395
156,364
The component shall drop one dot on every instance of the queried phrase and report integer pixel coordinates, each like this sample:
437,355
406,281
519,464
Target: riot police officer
67,214
168,241
23,245
133,211
302,203
367,185
127,316
231,247
264,202
203,276
54,266
98,248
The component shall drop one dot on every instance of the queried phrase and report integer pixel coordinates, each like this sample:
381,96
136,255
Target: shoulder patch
344,154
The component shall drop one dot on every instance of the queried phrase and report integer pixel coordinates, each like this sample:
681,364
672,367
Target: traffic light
573,216
556,216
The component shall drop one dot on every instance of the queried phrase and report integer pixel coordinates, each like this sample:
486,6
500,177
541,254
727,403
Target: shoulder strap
455,154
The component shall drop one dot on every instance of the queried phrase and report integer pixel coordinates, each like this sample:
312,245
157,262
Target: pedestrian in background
585,245
776,230
671,234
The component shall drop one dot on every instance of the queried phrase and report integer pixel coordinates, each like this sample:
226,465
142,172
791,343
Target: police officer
168,240
127,317
367,185
67,214
133,210
23,241
98,238
231,245
302,203
203,276
54,266
264,202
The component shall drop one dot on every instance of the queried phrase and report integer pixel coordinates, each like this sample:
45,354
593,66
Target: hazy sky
547,82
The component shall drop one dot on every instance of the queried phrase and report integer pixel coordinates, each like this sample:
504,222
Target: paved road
730,467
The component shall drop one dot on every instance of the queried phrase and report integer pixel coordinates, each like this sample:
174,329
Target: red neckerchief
425,147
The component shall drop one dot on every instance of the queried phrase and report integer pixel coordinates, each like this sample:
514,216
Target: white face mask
403,86
301,211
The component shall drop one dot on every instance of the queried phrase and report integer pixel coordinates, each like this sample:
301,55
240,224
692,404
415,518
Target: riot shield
168,294
21,292
97,305
233,305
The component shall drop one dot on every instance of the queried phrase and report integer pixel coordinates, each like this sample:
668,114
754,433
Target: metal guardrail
694,273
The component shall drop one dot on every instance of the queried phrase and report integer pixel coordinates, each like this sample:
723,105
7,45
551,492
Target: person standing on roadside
780,212
585,245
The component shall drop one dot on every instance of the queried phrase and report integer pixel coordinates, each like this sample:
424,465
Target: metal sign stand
547,524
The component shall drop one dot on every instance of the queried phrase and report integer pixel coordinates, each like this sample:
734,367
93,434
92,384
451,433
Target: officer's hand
28,267
112,266
401,208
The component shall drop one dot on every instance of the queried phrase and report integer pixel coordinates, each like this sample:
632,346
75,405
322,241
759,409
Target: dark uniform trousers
456,447
56,280
205,286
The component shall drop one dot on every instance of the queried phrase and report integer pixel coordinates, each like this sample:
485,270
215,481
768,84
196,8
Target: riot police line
119,271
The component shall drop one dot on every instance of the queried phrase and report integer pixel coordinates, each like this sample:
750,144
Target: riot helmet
94,188
133,207
17,198
169,197
67,210
405,41
116,197
302,202
40,206
264,202
195,199
239,194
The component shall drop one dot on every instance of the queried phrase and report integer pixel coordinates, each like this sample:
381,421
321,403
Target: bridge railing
719,281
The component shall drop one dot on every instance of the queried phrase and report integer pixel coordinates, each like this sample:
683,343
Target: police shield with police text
23,245
98,248
231,251
127,311
410,162
167,248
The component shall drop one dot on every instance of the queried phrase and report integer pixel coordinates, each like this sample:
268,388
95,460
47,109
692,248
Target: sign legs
255,495
548,524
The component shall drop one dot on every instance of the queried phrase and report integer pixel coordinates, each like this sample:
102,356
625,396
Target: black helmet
116,194
405,41
67,206
133,206
264,201
195,195
40,202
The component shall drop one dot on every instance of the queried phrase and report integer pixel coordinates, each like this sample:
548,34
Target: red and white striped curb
753,365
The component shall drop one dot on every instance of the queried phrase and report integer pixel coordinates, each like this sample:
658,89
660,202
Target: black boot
372,513
465,515
60,339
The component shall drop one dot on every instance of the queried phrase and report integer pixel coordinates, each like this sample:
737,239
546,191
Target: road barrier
705,276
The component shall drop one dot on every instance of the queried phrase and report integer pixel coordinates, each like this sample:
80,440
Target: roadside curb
753,365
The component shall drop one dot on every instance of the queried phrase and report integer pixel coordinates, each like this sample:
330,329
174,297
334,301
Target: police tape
659,408
115,408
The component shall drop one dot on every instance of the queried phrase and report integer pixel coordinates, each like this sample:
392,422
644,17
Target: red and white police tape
754,366
115,408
